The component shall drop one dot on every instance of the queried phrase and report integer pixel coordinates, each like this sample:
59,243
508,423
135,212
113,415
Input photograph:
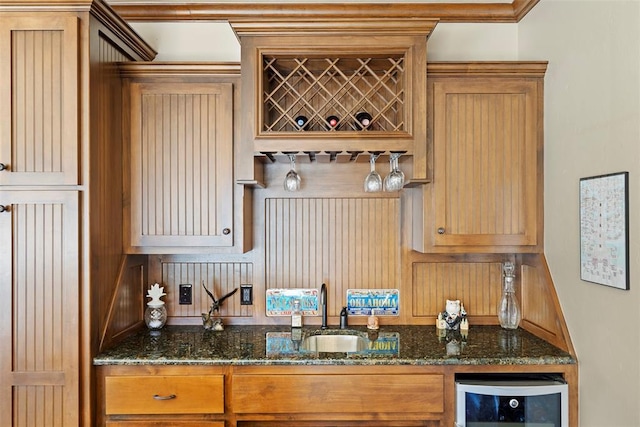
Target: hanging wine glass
373,181
292,179
395,180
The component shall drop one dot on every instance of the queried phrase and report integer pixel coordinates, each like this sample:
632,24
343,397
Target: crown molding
487,69
444,12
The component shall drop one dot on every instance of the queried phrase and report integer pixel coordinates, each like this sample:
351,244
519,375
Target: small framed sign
604,230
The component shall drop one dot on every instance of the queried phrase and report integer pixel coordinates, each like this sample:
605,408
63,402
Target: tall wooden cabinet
485,122
51,57
40,314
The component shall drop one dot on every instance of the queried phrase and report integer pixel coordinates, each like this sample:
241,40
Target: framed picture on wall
604,229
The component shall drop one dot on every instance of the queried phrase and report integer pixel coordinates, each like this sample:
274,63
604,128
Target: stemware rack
324,156
339,66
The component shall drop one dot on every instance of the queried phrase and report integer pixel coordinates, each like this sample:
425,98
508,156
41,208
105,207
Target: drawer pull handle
3,167
4,209
169,397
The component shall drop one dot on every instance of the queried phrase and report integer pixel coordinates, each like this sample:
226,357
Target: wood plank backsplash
347,243
219,277
536,301
478,285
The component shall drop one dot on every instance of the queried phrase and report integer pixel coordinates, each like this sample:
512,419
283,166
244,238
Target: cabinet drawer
164,394
160,423
337,393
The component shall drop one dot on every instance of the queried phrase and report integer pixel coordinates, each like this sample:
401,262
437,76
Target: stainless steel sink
334,343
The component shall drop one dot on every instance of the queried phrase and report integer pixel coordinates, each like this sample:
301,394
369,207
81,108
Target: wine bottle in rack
332,122
302,122
363,120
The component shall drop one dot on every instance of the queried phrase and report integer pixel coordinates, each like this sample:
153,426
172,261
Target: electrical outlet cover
185,294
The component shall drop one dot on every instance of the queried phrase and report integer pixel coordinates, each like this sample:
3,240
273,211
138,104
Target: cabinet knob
4,209
226,231
3,167
168,397
441,230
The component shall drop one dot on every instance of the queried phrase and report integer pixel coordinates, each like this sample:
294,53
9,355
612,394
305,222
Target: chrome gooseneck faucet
323,301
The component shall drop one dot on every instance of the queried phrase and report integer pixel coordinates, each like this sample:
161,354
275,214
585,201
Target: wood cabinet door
39,311
181,165
39,99
486,149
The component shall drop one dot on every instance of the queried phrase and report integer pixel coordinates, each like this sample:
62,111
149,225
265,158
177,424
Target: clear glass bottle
296,315
509,309
155,316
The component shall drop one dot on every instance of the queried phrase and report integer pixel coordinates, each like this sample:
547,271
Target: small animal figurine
453,316
209,321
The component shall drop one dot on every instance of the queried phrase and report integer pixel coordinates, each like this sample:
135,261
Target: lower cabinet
175,396
165,423
164,394
337,393
292,396
343,396
270,396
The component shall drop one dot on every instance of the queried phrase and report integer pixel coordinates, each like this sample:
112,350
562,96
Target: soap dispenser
344,318
296,315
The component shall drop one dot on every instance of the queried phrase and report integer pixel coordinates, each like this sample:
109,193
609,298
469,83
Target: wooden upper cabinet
181,166
316,69
39,99
486,127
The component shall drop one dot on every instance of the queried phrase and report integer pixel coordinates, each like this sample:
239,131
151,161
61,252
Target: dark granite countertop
272,345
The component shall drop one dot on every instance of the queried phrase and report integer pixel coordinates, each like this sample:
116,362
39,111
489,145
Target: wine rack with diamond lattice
314,88
312,69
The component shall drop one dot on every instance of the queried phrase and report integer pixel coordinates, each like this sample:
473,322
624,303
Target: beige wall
592,127
182,41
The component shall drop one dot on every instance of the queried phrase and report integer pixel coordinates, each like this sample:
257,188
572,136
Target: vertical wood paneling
536,302
38,406
41,309
349,243
130,307
39,131
40,292
477,285
182,164
473,179
219,278
105,189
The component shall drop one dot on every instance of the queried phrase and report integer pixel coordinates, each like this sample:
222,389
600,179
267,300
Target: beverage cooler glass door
531,403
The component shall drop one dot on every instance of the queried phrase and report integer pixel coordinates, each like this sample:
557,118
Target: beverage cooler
512,400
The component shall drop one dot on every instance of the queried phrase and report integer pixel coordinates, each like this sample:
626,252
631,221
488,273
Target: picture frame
604,230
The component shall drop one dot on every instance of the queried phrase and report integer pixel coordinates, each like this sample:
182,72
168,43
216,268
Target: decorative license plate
280,301
386,302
